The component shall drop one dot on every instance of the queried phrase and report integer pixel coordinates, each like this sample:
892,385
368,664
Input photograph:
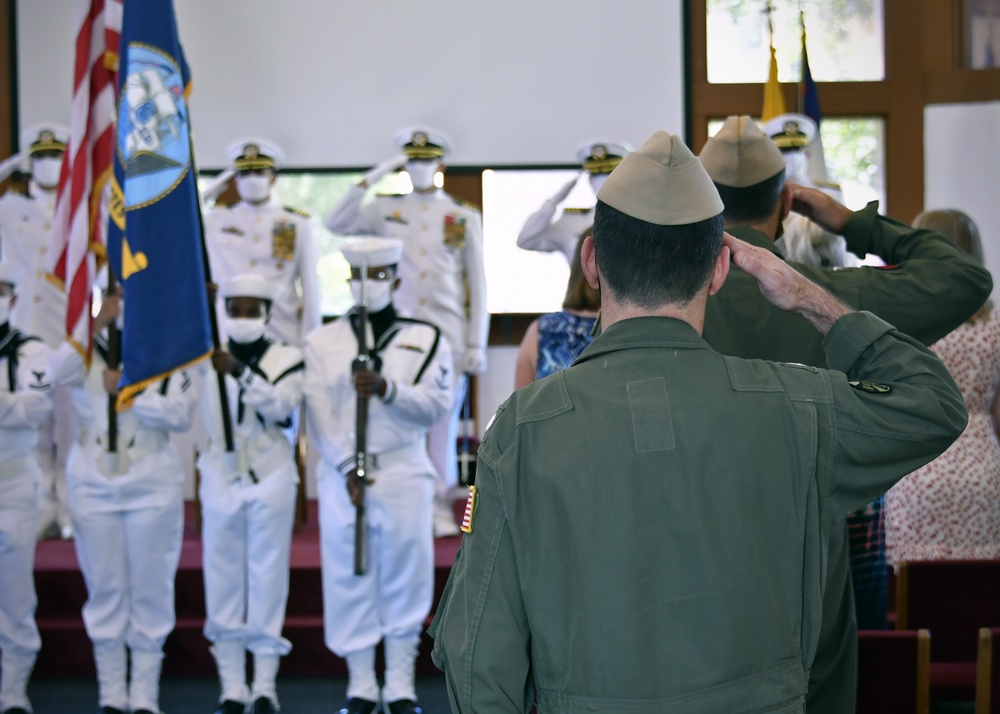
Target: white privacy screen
511,83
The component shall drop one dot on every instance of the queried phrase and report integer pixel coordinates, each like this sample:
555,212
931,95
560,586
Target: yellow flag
774,100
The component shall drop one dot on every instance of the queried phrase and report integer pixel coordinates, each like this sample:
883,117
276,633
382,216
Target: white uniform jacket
145,470
442,252
543,234
25,394
416,363
261,402
25,241
277,244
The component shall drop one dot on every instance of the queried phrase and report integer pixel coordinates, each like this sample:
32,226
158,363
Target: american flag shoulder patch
470,510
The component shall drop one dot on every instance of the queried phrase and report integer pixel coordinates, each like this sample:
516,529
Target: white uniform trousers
19,639
442,438
394,597
54,441
129,561
247,538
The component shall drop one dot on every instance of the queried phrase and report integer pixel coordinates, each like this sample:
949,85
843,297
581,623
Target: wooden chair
952,599
894,671
988,672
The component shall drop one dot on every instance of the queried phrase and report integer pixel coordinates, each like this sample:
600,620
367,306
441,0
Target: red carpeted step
66,650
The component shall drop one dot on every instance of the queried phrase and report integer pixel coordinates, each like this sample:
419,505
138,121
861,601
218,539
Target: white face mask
597,180
45,171
379,293
253,188
244,330
422,173
4,309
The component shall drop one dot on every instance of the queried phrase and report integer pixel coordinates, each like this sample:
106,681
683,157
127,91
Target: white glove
474,361
373,176
11,164
218,185
562,193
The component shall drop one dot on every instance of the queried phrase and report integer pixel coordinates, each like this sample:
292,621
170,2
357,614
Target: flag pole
114,362
213,319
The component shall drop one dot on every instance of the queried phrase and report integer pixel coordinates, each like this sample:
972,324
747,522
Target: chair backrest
988,672
894,671
952,599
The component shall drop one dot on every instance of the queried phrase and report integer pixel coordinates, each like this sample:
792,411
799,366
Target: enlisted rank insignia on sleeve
454,231
470,510
283,240
870,387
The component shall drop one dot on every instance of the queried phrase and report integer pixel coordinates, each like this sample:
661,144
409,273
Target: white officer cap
376,251
791,131
421,142
662,183
251,153
601,155
740,155
44,137
9,274
247,285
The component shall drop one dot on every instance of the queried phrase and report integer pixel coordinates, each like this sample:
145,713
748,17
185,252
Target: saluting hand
820,208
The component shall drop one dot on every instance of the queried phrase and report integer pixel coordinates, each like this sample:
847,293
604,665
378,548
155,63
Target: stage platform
66,651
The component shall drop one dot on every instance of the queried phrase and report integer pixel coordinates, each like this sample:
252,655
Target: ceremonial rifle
362,363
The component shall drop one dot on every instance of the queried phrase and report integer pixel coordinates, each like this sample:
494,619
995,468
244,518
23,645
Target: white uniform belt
136,447
387,460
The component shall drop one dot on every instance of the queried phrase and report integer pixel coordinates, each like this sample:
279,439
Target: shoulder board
467,204
580,211
297,211
391,195
827,184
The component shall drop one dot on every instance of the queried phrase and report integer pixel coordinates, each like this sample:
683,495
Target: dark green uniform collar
754,237
644,332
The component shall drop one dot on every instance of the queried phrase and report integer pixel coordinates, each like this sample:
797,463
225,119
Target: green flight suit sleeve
481,636
928,287
896,409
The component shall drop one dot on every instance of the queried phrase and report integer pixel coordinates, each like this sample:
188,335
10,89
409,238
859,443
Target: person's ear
588,261
720,271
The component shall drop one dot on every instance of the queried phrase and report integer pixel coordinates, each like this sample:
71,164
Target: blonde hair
962,231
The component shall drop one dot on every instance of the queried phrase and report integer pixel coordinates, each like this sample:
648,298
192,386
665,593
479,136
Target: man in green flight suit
927,289
649,526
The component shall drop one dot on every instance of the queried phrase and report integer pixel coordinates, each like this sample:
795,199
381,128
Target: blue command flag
155,233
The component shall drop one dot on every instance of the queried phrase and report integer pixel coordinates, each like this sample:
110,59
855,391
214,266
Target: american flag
80,222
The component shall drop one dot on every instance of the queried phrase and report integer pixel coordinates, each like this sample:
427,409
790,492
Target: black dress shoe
142,711
263,705
109,710
404,706
231,706
358,706
15,710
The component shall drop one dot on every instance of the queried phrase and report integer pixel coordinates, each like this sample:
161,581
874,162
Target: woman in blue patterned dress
553,341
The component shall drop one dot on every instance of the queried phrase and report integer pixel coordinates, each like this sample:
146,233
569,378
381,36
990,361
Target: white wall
512,82
962,167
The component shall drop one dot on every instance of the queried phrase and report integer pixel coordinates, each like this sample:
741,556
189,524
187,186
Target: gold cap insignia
419,139
251,151
600,152
46,136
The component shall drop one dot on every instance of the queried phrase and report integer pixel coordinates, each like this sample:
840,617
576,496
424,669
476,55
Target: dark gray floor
313,695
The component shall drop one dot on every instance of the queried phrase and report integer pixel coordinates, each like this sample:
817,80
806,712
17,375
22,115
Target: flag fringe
127,394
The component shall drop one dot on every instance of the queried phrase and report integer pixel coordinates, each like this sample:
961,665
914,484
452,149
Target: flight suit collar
755,237
636,332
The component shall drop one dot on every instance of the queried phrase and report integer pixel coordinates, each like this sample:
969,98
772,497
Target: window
738,41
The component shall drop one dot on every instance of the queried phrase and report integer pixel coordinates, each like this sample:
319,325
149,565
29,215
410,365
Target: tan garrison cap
662,183
741,155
